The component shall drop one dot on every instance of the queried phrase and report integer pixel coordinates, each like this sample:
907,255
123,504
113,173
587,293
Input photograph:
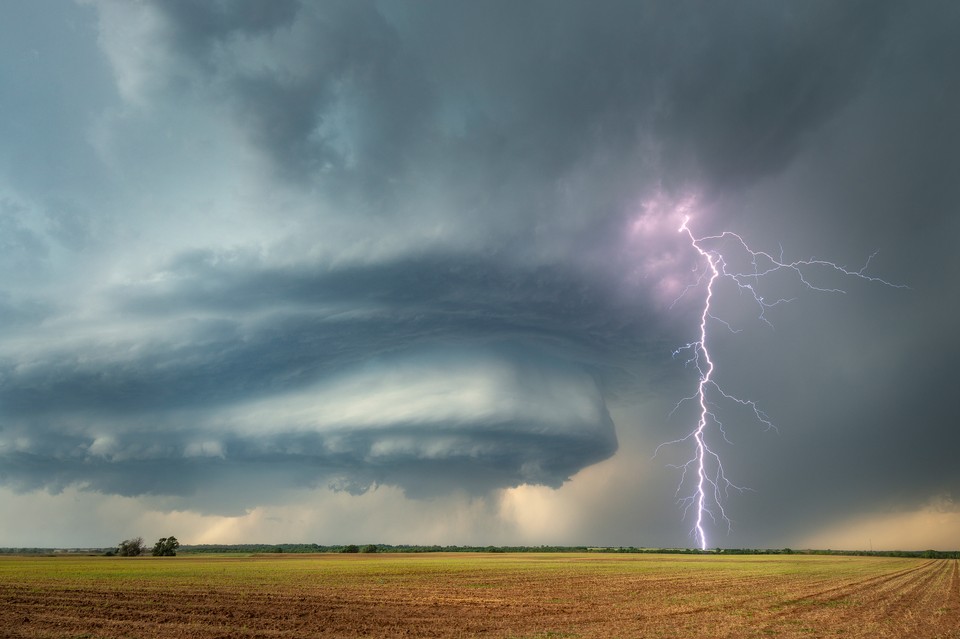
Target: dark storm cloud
880,387
160,416
315,324
373,92
200,24
22,312
321,64
367,98
546,299
354,243
741,108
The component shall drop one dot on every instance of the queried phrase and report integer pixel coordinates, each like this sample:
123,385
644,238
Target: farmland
465,595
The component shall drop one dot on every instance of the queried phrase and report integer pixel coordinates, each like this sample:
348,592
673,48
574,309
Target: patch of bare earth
561,598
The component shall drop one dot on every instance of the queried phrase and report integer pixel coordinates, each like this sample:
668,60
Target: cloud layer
249,249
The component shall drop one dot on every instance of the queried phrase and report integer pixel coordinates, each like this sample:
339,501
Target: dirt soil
495,596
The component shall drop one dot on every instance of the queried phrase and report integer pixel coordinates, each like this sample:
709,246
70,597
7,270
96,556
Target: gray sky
403,272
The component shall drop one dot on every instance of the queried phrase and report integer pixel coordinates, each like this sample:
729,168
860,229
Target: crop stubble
500,595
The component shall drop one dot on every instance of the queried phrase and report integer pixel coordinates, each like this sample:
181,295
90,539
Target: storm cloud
479,376
249,248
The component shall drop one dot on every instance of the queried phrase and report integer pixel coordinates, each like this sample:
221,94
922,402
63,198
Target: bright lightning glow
710,483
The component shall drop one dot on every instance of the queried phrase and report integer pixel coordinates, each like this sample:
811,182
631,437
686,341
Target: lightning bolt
711,486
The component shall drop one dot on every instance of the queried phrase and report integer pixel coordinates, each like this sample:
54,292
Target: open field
465,595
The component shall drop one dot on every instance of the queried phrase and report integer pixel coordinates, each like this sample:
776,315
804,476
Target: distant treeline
53,551
374,548
403,548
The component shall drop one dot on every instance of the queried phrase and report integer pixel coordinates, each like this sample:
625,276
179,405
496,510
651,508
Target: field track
467,595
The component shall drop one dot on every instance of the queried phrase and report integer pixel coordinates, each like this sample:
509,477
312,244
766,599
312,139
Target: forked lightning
710,483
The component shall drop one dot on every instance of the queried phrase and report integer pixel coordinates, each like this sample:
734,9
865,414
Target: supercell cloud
431,374
248,248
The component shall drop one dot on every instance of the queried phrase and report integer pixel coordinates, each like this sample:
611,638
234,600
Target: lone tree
131,547
166,547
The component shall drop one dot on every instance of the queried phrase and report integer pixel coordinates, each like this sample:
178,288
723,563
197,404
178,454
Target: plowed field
480,595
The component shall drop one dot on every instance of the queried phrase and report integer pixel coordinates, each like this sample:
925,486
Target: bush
166,547
131,547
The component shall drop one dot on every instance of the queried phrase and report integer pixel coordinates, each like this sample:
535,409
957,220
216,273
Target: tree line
135,547
168,547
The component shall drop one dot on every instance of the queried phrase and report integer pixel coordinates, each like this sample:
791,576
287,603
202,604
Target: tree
166,547
350,548
369,548
131,547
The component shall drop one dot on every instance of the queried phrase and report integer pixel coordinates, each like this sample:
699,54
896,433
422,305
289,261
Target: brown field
468,595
